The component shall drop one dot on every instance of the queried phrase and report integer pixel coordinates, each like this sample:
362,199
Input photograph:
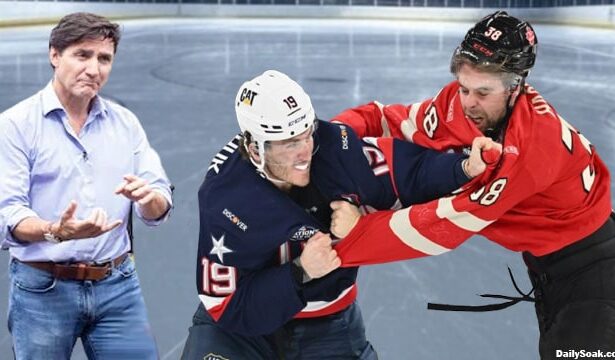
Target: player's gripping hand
318,257
484,152
344,218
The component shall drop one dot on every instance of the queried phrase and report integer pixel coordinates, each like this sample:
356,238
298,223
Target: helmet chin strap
271,178
260,166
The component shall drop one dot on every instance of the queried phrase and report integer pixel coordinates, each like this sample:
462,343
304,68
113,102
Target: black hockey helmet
501,39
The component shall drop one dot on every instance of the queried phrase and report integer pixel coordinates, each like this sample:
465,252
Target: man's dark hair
77,27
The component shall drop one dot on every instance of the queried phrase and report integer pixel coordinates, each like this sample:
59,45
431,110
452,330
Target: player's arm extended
437,123
370,120
438,226
418,174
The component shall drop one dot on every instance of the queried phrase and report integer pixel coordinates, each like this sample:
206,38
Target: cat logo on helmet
247,96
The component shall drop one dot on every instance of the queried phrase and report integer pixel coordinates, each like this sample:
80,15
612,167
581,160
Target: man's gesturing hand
136,189
69,227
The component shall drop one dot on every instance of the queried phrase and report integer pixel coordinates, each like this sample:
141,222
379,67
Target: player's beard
485,121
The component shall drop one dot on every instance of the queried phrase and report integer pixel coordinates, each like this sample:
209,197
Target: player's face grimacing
289,160
483,97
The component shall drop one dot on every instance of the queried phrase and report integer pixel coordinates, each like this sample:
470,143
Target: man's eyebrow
84,51
482,88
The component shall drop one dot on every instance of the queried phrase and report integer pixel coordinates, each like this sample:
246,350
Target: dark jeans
338,336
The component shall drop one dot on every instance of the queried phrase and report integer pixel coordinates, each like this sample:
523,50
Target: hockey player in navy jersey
267,276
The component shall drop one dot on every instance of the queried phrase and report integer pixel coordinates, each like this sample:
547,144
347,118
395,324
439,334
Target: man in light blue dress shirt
73,165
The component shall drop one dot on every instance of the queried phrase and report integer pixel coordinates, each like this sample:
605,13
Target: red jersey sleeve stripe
408,126
372,241
386,131
402,227
463,219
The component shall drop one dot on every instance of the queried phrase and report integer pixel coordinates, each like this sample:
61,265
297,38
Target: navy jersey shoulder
357,169
342,170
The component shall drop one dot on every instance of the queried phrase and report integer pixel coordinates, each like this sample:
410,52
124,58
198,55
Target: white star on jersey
219,248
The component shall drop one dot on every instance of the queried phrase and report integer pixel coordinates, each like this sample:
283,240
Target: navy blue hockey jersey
250,231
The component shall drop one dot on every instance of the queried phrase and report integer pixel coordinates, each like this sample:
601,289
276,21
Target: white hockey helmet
273,107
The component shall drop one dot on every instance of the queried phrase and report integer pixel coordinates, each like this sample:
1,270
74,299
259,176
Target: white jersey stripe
319,305
211,301
386,132
401,226
284,253
408,126
463,220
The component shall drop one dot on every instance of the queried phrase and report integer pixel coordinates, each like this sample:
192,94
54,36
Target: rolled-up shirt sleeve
149,167
14,182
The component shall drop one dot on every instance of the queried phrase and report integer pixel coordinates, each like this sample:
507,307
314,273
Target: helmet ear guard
503,40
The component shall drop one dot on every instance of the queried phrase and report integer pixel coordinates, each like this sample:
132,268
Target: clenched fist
344,218
483,150
318,257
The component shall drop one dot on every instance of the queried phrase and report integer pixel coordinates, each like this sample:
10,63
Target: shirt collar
51,102
98,107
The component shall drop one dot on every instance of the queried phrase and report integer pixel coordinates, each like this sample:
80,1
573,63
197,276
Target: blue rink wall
180,74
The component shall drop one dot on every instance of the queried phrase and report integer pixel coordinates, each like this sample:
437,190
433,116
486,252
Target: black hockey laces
512,300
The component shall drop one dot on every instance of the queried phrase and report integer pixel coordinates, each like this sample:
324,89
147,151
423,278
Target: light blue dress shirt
44,165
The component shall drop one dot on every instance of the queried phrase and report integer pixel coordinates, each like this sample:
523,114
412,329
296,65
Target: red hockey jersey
549,189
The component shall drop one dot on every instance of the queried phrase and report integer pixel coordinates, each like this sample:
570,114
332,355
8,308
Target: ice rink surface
180,77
